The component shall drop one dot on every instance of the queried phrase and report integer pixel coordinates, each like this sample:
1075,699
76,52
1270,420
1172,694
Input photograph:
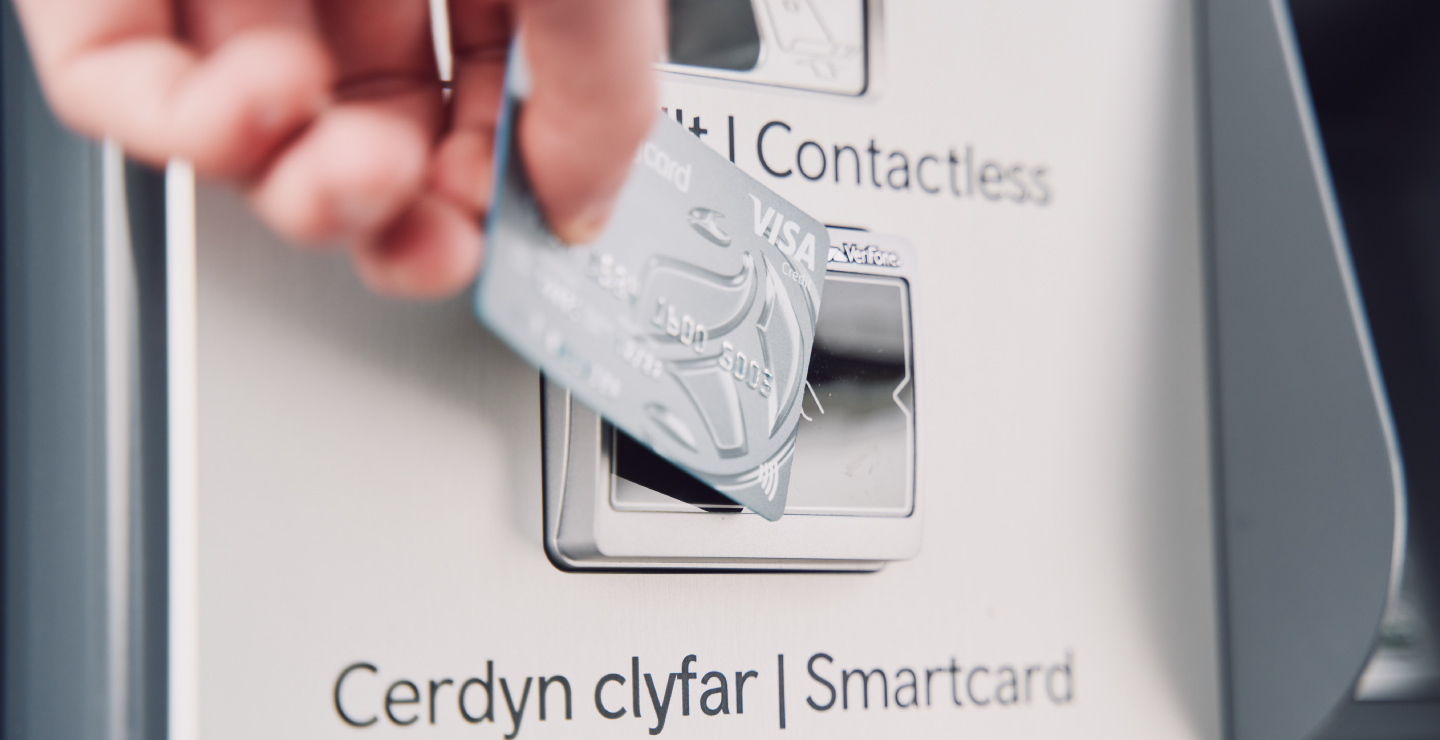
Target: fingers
357,175
431,251
362,164
232,113
352,173
592,102
479,41
206,24
235,86
116,69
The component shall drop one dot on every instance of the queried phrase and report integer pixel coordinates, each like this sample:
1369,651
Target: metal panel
1309,486
84,468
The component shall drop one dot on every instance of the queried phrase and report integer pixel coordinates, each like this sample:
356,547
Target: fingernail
588,225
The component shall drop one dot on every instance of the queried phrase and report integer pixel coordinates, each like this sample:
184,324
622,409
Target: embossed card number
695,310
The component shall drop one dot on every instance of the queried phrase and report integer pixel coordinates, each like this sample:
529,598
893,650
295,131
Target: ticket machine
1096,444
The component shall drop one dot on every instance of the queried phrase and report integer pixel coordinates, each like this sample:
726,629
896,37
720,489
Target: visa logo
767,219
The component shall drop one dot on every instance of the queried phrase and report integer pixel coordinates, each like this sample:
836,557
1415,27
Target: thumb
592,101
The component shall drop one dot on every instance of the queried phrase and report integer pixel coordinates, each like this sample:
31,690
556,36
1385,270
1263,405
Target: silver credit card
689,324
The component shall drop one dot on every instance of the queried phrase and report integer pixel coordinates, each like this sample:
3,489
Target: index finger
592,101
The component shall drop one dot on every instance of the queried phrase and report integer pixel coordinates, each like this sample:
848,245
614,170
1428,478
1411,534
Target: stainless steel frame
586,528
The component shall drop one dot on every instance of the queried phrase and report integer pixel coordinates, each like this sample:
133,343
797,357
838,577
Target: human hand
330,113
